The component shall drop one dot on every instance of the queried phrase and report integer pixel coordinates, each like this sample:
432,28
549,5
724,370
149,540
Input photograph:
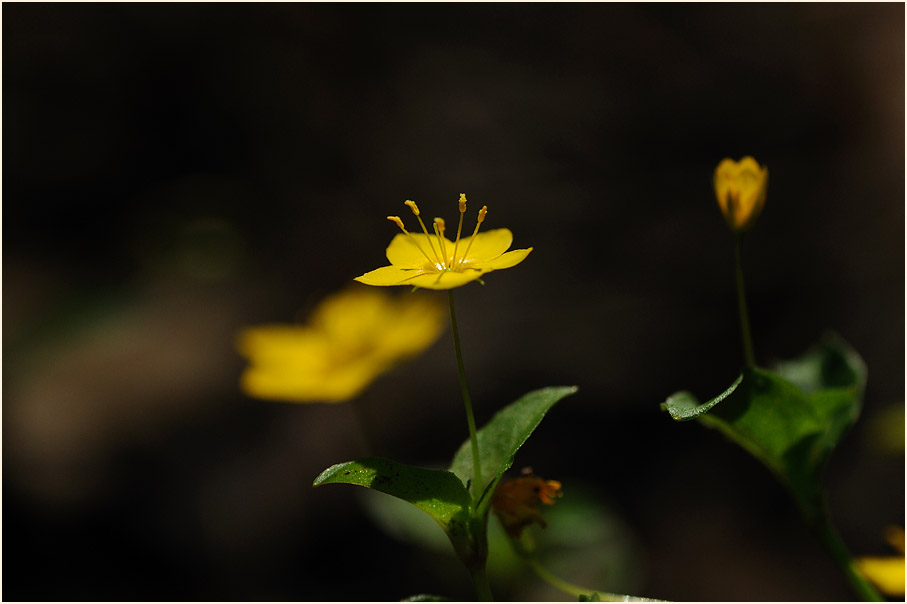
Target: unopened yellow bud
741,189
396,220
462,203
412,206
482,213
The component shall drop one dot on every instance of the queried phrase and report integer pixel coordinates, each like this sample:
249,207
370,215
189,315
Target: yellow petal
725,174
445,279
304,384
740,188
385,327
346,312
417,322
273,344
485,246
415,250
511,258
886,573
389,275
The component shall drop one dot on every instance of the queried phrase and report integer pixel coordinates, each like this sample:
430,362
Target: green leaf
424,598
791,418
501,438
593,597
438,493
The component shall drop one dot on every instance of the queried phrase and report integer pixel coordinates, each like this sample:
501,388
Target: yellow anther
482,213
412,206
462,202
396,220
441,224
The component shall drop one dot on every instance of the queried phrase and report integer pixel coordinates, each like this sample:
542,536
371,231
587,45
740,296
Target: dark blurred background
174,172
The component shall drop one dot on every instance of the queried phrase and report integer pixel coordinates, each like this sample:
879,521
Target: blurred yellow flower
740,188
516,502
351,338
435,262
887,573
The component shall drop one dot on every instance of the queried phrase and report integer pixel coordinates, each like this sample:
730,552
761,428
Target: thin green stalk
476,485
556,582
748,356
524,547
480,580
839,552
575,590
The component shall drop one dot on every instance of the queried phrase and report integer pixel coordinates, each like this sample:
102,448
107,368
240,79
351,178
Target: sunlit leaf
501,438
438,493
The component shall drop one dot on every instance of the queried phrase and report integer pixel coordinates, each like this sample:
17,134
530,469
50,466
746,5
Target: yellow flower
435,262
887,573
351,338
740,188
516,502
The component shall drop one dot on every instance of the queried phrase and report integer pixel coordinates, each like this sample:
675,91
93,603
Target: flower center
439,259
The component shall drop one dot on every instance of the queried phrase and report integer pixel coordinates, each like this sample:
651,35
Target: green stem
556,582
838,550
524,547
575,590
476,485
480,580
748,355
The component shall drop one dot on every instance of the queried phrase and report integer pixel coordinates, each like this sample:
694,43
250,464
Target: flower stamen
453,258
412,206
439,231
396,220
479,222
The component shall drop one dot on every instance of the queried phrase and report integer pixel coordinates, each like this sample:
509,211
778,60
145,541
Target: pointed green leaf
438,493
683,405
501,438
790,419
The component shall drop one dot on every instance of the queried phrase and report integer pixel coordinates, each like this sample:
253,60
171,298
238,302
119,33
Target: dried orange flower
516,502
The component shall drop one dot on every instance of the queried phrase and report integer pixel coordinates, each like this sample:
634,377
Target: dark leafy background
173,172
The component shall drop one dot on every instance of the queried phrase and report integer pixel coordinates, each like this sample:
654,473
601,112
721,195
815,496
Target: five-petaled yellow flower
436,262
351,338
741,188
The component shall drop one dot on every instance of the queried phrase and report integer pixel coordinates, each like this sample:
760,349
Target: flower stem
748,356
524,547
575,590
833,542
476,485
480,580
